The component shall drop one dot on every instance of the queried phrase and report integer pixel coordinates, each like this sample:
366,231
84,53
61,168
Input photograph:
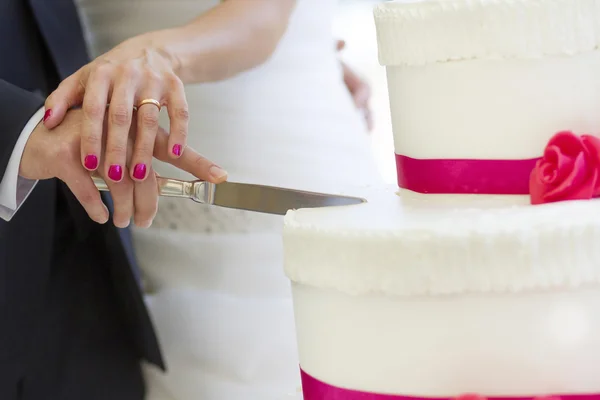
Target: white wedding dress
219,298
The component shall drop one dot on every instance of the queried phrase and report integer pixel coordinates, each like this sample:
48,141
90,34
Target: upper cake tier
422,32
478,87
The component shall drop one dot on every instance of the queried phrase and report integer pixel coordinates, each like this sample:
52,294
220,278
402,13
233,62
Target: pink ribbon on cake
314,389
448,176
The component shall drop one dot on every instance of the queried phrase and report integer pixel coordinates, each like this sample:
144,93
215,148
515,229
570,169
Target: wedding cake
481,272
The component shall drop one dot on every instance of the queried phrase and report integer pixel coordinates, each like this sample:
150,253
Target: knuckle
173,81
149,120
91,140
94,110
144,151
117,150
129,71
182,114
68,81
102,71
152,77
120,115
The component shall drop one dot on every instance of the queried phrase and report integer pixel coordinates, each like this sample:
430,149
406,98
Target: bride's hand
121,80
232,37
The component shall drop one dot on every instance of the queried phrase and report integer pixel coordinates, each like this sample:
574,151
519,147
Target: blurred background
355,25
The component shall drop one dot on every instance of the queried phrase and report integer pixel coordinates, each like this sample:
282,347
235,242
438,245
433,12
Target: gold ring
150,101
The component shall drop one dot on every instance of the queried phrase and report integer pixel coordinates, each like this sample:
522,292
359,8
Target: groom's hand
56,154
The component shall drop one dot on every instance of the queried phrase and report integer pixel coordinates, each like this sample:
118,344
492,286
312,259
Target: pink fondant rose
569,169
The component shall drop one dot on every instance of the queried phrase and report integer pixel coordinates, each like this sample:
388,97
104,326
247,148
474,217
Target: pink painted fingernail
91,162
139,172
177,150
115,172
47,114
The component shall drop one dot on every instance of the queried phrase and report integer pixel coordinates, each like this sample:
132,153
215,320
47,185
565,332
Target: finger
122,192
190,161
340,45
68,95
94,111
178,115
147,127
81,185
122,195
145,201
120,113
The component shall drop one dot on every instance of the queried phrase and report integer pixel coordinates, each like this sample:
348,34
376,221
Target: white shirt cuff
14,189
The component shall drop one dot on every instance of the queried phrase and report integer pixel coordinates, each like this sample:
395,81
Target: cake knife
245,196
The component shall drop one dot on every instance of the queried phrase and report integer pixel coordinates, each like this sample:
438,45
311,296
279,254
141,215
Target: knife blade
246,196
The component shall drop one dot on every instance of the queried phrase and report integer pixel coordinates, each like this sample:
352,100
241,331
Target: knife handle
167,187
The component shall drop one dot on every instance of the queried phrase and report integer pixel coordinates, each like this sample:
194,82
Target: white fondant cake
454,283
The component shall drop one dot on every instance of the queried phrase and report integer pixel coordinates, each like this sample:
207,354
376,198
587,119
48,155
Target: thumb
68,94
190,161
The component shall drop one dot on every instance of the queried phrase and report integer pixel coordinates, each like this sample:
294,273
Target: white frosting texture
431,31
396,246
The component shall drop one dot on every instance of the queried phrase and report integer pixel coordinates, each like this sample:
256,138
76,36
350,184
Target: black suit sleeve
17,106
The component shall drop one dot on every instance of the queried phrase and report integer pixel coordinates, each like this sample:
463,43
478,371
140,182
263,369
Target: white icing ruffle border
433,31
513,249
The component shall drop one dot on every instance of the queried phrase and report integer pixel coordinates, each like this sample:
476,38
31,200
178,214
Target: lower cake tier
424,299
497,345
